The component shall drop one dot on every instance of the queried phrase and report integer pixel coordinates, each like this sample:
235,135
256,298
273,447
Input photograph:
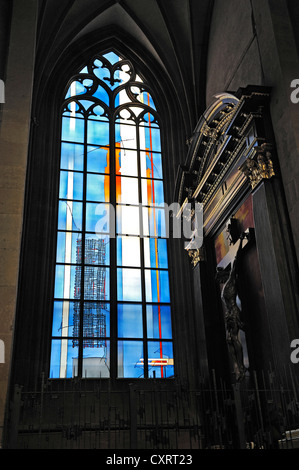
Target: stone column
277,259
274,253
14,138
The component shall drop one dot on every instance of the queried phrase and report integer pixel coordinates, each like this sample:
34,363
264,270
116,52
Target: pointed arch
111,291
33,331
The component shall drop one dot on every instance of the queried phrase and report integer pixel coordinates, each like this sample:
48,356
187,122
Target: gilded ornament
258,168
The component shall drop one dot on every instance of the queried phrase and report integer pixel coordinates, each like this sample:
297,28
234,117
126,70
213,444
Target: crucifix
227,274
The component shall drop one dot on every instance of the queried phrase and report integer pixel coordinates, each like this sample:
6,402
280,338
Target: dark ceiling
174,32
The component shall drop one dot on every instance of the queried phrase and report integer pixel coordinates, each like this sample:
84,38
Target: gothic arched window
111,308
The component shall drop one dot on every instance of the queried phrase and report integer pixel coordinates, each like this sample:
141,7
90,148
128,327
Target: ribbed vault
173,32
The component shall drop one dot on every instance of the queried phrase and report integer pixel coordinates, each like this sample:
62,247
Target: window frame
113,267
33,321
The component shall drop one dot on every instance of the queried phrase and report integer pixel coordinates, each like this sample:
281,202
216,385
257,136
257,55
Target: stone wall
252,42
14,140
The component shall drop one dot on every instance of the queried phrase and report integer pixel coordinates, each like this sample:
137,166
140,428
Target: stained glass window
112,306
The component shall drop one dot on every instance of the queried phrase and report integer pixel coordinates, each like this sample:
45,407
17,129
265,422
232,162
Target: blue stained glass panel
98,188
67,247
155,253
146,98
73,110
154,222
152,192
96,359
86,104
87,82
130,359
112,57
158,352
100,71
63,318
55,359
101,93
70,215
67,282
96,283
129,285
129,321
97,218
84,70
149,119
158,319
151,165
97,159
98,112
97,249
125,136
64,359
157,286
98,133
96,322
71,185
150,138
72,157
78,88
72,129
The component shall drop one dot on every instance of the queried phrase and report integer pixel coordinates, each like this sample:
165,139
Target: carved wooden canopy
230,153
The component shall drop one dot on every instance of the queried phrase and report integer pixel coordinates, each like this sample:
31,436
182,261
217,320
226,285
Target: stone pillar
5,18
14,138
277,260
281,315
